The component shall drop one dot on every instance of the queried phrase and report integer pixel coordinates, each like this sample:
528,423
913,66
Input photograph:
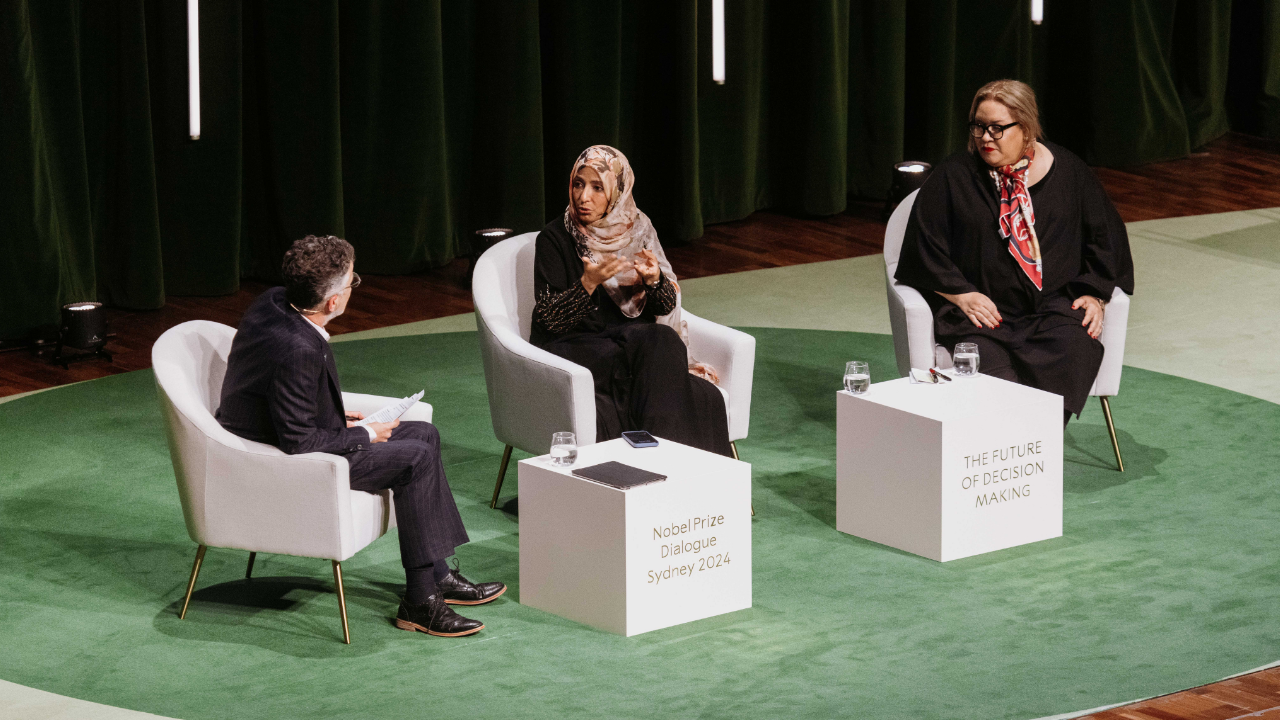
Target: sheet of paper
922,376
392,411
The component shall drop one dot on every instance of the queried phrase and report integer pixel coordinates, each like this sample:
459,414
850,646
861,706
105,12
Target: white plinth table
631,561
952,470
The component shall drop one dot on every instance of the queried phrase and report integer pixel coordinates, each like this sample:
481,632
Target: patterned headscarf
622,230
1017,217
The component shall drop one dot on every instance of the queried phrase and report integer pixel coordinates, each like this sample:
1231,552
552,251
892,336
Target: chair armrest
533,393
1115,328
370,404
265,501
733,354
912,321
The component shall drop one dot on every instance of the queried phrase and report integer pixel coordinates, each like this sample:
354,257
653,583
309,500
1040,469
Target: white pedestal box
952,470
631,561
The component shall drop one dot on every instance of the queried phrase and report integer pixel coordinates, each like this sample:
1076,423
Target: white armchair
912,322
245,495
533,393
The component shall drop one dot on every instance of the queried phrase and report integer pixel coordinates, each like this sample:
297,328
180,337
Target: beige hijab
624,231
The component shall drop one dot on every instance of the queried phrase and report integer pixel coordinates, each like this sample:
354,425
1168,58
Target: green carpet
1166,577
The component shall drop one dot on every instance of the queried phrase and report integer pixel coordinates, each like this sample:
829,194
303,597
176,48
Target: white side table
631,561
952,470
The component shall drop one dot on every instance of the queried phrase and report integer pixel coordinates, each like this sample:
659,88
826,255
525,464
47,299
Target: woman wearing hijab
606,299
1017,248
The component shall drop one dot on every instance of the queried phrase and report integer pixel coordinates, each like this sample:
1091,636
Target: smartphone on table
639,439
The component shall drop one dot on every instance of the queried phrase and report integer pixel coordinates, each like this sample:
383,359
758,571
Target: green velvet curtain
404,125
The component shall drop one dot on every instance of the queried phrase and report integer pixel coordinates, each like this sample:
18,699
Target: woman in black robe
1016,247
606,299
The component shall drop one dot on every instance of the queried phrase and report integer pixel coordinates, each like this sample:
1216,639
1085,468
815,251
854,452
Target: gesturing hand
646,264
593,274
977,307
1094,314
383,430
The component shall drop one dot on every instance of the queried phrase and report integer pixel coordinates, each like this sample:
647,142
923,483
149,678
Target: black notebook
615,474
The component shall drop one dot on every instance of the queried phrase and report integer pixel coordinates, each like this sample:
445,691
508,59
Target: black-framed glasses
977,129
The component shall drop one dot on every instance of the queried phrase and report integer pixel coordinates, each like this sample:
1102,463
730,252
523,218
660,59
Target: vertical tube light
1037,11
193,65
717,41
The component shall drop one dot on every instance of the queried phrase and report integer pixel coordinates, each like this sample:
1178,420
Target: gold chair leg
342,601
502,472
1111,428
733,445
248,572
191,584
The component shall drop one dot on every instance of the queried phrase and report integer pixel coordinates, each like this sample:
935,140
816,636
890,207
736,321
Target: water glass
857,377
965,359
564,449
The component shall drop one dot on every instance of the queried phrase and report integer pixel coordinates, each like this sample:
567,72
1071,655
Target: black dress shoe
434,617
458,590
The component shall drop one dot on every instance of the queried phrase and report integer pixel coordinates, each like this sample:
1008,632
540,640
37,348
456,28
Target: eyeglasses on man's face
977,129
355,281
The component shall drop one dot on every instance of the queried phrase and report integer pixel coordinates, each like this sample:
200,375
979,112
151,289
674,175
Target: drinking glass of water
857,377
965,359
564,448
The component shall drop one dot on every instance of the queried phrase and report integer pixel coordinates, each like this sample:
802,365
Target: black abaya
640,367
953,245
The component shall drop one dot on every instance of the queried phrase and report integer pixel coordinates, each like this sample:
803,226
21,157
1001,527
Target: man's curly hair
314,267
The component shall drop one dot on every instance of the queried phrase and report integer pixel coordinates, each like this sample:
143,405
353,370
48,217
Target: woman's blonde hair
1021,101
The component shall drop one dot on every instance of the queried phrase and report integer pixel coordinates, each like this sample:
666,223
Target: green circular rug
1166,577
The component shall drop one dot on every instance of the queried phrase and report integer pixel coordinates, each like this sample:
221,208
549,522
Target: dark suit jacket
281,386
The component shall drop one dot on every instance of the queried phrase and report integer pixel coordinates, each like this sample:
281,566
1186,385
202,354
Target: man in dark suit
281,388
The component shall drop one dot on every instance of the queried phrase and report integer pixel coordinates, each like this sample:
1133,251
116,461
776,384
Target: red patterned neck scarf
1017,218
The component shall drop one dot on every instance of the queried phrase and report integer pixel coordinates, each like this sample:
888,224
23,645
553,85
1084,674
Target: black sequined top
562,306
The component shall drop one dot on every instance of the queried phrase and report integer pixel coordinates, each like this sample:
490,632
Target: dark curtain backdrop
404,125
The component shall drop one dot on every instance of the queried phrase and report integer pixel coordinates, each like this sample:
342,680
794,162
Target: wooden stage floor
1236,172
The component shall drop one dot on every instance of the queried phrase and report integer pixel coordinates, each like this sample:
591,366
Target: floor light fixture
83,328
908,177
484,240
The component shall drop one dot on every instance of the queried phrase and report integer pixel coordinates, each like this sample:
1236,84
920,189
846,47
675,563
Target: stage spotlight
1037,11
484,240
84,328
907,177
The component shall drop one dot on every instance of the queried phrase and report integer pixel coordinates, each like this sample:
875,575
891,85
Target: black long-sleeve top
562,306
953,242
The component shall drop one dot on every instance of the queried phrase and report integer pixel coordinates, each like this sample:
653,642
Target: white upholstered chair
533,393
245,495
912,321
